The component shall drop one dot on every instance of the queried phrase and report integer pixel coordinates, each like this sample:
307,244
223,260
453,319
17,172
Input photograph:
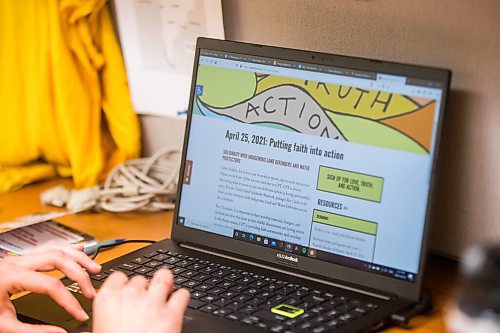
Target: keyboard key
247,321
151,254
299,294
258,284
332,313
203,287
126,272
305,326
246,280
164,266
345,317
180,280
191,284
141,260
235,305
285,290
129,266
268,315
251,291
209,298
320,319
177,270
271,287
207,270
278,299
242,298
238,288
291,322
318,309
213,280
220,273
264,294
333,324
111,270
292,301
143,270
262,325
189,274
198,294
315,299
229,294
201,277
235,316
160,257
248,309
98,277
216,291
195,304
222,312
360,310
277,328
196,267
154,264
305,316
233,277
208,308
223,301
268,304
370,307
225,284
306,305
183,263
172,260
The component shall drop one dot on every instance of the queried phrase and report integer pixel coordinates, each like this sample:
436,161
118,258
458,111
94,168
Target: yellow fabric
64,102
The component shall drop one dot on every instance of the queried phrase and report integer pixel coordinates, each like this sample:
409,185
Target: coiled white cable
146,184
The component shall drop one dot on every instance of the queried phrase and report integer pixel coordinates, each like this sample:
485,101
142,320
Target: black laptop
304,193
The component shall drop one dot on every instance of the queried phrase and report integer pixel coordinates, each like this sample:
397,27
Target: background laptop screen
325,162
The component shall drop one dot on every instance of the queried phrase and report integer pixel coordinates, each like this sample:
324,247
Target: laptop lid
319,163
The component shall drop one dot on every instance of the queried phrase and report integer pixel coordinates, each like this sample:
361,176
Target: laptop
304,193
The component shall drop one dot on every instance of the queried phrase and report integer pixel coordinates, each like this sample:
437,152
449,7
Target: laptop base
35,308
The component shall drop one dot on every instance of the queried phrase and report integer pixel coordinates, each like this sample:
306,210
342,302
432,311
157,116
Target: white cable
146,183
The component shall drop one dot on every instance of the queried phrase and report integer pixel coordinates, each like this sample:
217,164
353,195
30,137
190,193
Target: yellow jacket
64,102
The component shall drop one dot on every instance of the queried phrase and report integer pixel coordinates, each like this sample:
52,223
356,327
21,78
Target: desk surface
440,277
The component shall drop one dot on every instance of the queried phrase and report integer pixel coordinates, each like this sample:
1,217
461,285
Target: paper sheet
27,220
22,240
158,39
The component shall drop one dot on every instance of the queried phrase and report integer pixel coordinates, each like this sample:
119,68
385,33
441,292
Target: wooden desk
440,279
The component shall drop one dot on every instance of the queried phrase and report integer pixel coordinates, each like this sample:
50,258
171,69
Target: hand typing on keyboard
136,305
23,274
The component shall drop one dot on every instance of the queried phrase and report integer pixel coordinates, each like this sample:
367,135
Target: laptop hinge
284,271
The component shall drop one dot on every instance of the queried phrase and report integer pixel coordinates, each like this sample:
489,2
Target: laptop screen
319,161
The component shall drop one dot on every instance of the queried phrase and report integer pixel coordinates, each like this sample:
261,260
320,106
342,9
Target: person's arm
133,306
22,274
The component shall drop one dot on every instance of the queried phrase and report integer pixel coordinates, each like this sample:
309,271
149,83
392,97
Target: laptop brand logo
287,257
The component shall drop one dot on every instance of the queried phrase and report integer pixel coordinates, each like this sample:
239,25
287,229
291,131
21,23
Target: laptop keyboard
256,300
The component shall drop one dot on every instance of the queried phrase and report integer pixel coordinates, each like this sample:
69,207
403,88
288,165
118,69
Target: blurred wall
461,35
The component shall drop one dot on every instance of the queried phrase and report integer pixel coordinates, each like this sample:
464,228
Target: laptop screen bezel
327,270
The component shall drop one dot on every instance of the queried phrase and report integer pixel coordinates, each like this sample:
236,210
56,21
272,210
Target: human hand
22,273
131,306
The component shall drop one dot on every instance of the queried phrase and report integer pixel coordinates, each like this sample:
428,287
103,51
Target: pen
92,248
